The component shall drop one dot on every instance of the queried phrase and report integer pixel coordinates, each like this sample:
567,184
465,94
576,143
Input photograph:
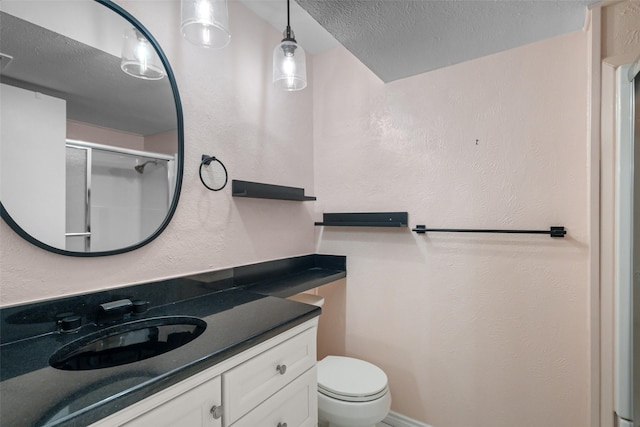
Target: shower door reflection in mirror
78,228
115,197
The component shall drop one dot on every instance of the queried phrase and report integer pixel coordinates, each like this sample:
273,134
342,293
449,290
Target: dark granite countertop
32,393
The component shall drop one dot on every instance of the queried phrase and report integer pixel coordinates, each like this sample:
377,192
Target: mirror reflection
89,140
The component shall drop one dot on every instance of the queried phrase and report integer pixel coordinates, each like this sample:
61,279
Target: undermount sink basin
127,343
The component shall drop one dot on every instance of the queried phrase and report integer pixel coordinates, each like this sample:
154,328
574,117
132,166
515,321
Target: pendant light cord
288,21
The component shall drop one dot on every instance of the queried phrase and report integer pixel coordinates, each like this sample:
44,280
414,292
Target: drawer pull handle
282,424
282,369
216,412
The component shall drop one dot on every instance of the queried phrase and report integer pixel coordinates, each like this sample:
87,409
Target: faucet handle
140,306
120,304
68,322
114,310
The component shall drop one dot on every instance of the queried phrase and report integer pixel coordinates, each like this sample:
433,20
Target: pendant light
139,58
289,67
205,23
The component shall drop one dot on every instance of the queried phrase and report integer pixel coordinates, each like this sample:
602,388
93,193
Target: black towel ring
206,161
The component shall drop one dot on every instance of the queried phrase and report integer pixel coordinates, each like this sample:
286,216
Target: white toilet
351,392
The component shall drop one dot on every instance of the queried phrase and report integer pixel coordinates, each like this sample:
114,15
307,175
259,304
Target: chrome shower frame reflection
88,147
87,198
6,216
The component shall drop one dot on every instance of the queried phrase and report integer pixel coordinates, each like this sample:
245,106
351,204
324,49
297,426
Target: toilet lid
350,379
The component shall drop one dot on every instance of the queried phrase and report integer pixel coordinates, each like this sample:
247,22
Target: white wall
32,157
230,111
482,330
107,136
164,142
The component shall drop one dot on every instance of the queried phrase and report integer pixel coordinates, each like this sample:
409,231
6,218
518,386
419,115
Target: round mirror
91,142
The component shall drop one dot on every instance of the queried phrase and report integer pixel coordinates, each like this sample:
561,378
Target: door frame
624,194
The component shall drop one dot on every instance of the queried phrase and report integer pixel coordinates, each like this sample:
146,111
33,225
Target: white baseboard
398,420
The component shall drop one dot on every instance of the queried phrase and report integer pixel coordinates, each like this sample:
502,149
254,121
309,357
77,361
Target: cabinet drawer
296,405
252,382
191,409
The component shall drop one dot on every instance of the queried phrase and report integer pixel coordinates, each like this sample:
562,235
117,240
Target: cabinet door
296,405
191,409
254,381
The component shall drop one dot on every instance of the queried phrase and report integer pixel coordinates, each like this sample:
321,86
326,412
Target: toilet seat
351,380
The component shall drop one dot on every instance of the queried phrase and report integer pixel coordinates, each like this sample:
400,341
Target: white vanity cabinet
248,385
200,406
272,384
296,405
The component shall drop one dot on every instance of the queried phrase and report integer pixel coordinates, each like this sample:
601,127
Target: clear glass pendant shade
289,66
205,23
139,58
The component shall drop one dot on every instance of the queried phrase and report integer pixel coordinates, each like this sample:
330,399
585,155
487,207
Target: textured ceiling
309,34
394,38
97,91
400,38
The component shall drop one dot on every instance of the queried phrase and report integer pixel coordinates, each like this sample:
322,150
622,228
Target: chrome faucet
120,309
114,310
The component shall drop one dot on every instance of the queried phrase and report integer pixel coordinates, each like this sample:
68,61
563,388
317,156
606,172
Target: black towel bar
553,231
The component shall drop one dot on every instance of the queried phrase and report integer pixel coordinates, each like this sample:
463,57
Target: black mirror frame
180,161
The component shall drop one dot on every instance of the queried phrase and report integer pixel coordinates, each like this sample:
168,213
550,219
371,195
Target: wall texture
101,135
620,30
164,142
230,111
473,330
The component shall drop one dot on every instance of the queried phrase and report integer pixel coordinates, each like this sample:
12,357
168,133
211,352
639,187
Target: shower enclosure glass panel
124,201
78,236
115,198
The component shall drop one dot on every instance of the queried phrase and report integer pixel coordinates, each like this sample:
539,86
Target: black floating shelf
553,231
258,190
365,219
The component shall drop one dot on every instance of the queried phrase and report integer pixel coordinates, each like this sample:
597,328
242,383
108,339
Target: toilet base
338,413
